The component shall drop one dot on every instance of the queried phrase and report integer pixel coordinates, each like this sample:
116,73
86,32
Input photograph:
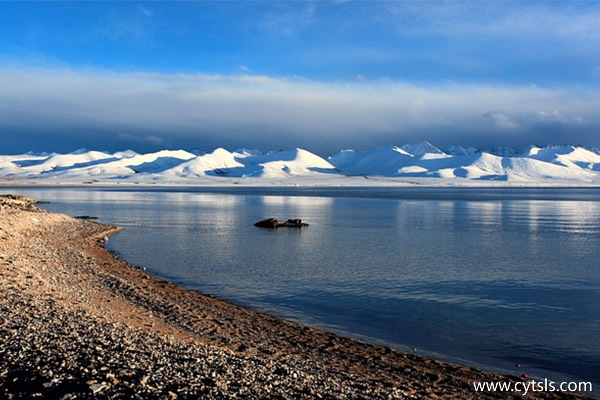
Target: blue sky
319,75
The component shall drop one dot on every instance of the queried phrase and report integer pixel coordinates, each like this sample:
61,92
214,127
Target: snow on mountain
486,166
38,153
532,165
387,160
80,151
121,168
568,156
382,161
157,162
423,149
8,168
58,162
219,162
22,158
12,165
283,163
246,153
125,154
245,163
85,164
568,164
528,169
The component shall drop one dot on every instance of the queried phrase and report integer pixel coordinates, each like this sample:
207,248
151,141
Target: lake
489,277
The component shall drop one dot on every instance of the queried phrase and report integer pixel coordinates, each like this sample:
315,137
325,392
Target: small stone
52,384
112,379
98,387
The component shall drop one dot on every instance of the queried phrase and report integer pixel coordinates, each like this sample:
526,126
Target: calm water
488,277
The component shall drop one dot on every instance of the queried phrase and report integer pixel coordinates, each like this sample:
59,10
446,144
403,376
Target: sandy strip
77,322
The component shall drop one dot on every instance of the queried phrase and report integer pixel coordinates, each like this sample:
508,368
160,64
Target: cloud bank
63,109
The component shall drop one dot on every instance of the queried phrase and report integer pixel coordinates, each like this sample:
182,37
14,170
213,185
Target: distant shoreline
82,322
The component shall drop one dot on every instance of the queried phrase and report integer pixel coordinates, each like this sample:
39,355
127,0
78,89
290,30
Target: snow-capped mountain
423,162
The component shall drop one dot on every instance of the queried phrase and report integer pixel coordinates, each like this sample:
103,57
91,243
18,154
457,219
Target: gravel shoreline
77,322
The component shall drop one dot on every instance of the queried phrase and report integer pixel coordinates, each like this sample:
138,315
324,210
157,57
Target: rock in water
273,223
295,223
269,223
85,217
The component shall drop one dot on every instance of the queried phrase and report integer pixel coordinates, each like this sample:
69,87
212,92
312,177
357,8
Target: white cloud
149,139
553,116
146,11
554,19
286,112
502,120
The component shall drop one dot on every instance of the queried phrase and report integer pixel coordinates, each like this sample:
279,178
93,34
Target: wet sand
77,322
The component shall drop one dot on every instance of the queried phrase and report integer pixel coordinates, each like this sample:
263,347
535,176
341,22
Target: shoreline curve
78,322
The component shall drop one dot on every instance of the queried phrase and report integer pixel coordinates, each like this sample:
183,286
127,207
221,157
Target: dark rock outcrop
273,223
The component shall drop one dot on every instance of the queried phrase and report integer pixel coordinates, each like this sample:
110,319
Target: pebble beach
76,322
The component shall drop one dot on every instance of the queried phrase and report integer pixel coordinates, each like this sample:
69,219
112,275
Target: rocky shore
76,322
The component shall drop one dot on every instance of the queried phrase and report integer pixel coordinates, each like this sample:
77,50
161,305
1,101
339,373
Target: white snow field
409,164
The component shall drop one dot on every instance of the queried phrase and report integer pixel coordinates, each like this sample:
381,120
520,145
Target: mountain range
411,163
